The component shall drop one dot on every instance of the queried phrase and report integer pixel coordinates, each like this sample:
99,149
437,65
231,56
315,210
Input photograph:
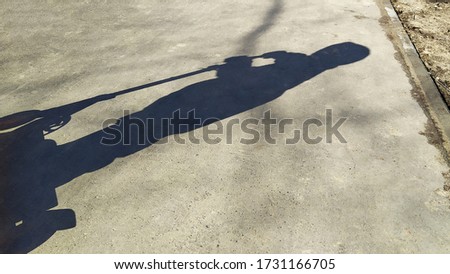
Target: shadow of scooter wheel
27,233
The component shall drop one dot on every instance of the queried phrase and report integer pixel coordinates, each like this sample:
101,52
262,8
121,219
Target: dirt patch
428,25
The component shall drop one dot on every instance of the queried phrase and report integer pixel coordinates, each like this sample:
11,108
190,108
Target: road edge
433,104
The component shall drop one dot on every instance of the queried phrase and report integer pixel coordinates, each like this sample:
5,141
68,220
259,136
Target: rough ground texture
61,191
428,25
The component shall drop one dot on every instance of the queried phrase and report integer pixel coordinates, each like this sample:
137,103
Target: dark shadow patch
31,167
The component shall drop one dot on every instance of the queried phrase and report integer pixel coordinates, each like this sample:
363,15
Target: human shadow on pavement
31,167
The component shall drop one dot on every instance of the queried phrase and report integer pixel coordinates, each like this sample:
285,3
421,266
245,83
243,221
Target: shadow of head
340,54
326,58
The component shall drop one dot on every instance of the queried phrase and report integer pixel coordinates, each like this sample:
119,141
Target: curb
435,104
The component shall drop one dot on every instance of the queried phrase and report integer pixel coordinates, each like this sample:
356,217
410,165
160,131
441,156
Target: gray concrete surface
378,193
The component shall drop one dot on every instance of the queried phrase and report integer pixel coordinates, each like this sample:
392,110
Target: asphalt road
362,177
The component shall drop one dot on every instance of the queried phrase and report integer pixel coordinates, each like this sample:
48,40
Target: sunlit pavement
379,191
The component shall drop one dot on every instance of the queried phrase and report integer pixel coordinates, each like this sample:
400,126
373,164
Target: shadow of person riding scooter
33,166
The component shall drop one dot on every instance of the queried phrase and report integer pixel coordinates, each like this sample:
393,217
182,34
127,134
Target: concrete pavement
379,192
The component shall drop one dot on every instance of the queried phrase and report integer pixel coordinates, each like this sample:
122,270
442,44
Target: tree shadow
31,167
249,41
